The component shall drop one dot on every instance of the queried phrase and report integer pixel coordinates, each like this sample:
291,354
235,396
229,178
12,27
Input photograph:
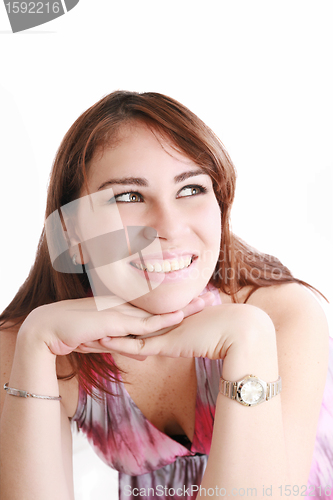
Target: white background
258,72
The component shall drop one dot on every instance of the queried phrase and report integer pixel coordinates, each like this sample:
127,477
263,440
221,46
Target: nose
169,220
149,233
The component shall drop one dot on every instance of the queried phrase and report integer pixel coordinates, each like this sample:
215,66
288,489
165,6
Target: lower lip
170,277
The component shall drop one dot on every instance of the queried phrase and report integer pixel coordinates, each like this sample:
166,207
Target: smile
166,266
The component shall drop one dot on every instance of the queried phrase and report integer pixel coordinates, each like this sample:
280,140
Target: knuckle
147,324
141,343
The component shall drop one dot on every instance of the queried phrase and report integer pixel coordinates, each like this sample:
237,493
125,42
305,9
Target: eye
191,190
130,197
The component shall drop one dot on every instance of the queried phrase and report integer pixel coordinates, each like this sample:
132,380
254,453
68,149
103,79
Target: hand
210,333
195,306
76,325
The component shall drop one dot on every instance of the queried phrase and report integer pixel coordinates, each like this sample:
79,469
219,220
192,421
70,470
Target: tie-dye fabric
144,456
321,474
153,465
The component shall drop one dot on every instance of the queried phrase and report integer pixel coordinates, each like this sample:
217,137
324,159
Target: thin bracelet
24,394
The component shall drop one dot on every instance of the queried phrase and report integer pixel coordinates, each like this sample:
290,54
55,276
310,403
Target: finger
208,297
100,349
195,306
160,345
83,349
149,324
124,345
198,304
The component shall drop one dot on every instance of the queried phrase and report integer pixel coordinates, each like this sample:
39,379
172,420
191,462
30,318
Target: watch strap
273,388
229,389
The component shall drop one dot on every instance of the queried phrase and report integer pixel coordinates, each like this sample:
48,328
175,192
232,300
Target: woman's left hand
100,346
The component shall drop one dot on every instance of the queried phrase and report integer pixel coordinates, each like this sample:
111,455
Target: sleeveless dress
155,466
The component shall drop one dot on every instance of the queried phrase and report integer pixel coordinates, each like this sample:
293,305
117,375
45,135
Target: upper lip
165,255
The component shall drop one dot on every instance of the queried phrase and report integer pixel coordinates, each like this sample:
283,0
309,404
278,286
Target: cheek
210,223
210,234
133,215
95,225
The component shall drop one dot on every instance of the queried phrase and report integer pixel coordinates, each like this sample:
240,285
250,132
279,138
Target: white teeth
188,260
157,267
174,265
165,266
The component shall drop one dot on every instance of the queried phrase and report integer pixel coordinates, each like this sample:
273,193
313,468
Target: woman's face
144,182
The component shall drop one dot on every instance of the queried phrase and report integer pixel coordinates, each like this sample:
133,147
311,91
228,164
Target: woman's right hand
65,325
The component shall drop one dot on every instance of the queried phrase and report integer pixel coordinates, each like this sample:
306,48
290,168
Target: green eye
129,198
191,190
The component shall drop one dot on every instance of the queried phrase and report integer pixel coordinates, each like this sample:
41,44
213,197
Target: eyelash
202,190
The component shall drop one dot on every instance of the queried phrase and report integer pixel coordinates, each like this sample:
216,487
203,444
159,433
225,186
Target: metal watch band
229,389
25,394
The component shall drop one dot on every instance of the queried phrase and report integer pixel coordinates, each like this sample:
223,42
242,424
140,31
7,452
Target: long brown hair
239,265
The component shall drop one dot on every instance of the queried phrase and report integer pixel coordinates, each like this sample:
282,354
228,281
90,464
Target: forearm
248,446
31,429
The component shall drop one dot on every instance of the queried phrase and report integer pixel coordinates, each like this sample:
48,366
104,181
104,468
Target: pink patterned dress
155,466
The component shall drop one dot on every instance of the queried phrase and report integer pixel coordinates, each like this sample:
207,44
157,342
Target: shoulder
300,322
291,304
302,341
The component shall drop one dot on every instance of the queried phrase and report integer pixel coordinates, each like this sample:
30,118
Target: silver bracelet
24,394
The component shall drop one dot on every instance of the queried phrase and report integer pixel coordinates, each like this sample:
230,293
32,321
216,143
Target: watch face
251,392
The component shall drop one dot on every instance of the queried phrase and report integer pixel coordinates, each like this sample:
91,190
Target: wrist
250,390
33,343
39,333
255,353
34,366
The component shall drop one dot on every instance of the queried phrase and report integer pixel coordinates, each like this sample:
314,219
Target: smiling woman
158,327
186,218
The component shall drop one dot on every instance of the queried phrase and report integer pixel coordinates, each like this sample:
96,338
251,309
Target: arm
272,444
36,461
35,434
283,331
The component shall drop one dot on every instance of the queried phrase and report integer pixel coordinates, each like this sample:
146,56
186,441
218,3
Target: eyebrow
142,181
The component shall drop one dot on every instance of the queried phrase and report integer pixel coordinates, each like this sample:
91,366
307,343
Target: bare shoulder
302,339
302,347
291,303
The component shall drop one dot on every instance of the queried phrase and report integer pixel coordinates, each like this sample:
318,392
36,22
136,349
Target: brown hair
239,265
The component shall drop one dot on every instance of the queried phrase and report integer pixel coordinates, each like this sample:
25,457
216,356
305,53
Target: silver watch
251,390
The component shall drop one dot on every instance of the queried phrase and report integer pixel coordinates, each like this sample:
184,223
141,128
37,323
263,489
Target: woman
116,316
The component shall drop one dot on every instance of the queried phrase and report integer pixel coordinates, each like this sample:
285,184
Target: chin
161,301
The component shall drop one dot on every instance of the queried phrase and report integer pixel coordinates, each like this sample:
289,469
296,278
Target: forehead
138,149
